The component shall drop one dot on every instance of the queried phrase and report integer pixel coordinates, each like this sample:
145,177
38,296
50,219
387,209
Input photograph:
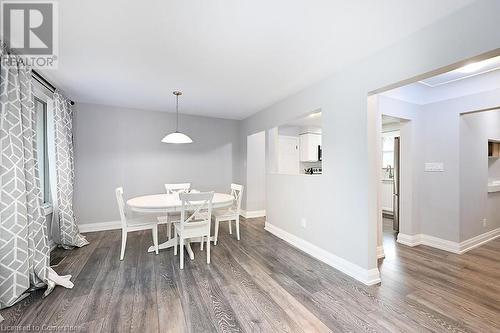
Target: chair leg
176,242
181,249
169,229
201,243
154,230
216,232
208,249
230,230
237,228
124,243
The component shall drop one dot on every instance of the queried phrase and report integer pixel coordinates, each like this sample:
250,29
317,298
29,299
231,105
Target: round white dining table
166,203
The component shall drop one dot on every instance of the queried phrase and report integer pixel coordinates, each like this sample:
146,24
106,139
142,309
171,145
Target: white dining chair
230,214
134,224
173,217
192,224
177,188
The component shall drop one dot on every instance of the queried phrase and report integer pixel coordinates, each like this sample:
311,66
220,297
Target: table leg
164,245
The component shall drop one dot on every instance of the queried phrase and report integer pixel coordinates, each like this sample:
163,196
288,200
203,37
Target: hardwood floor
262,284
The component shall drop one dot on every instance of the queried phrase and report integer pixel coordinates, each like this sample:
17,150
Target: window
388,148
43,163
387,151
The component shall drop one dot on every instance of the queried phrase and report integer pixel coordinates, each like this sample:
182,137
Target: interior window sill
47,209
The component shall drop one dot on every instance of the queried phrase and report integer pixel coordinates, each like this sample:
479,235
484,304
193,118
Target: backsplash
307,165
385,173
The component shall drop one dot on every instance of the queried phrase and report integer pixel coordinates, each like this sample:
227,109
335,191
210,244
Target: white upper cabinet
309,143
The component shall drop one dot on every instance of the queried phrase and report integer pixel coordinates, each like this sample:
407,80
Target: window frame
43,95
388,134
45,157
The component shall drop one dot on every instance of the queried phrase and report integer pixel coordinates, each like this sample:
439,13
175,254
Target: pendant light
177,137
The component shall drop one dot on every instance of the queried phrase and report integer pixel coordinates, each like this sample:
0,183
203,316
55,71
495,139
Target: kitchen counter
494,186
295,174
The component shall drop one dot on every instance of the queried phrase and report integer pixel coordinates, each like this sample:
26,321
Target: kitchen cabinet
309,147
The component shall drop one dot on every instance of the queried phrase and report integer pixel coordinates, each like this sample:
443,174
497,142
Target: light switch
434,167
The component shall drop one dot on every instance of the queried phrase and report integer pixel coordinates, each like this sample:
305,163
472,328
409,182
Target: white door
288,162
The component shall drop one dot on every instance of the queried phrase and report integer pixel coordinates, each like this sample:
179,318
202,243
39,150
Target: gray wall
439,191
256,172
121,147
342,211
115,146
452,204
475,169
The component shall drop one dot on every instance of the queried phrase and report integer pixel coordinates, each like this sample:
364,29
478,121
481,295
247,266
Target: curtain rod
40,79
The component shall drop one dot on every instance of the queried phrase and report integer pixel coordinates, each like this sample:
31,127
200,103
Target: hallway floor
262,284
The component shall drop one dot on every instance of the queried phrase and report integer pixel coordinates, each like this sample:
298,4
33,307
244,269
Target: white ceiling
230,58
421,94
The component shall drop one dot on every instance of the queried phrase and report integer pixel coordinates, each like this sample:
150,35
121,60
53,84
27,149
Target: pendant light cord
177,111
177,137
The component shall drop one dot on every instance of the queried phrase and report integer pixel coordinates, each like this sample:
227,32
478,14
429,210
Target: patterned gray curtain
64,229
24,249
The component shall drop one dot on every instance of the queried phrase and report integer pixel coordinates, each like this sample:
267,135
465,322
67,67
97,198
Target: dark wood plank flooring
262,284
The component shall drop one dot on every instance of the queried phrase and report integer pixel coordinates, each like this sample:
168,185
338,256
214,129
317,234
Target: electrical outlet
434,167
485,222
303,223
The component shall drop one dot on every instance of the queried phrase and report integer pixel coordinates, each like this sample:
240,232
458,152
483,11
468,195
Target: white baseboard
422,239
99,226
479,240
248,214
380,252
408,240
439,243
446,245
366,276
113,225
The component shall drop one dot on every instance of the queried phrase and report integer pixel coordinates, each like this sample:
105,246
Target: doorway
390,178
255,192
396,123
428,205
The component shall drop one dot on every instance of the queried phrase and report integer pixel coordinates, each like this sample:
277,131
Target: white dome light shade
177,137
